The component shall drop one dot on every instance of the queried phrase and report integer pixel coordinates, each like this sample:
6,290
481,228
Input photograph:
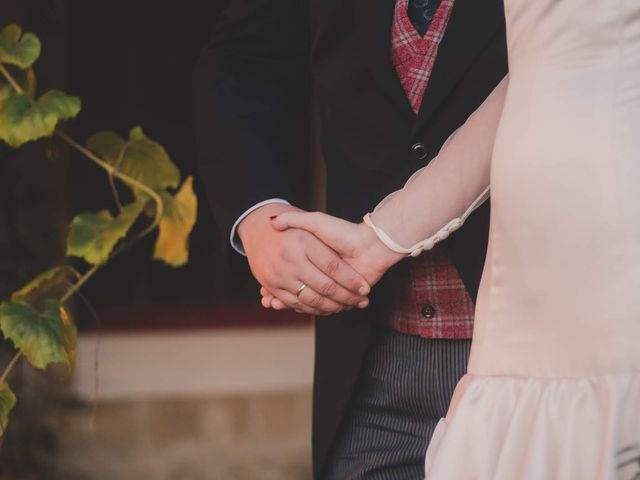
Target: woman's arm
435,200
438,198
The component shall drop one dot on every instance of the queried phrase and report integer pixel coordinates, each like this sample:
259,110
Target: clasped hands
336,261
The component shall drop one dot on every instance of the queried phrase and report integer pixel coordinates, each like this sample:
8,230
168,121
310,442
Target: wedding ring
302,287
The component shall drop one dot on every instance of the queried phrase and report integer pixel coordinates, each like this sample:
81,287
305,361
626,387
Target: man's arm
251,90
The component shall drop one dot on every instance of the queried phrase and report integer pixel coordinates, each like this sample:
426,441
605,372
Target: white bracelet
428,243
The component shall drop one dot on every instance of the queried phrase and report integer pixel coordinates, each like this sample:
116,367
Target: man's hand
356,243
285,261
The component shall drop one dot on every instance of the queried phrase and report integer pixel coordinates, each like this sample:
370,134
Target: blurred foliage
35,319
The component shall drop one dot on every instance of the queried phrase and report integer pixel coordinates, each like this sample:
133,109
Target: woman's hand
355,243
283,261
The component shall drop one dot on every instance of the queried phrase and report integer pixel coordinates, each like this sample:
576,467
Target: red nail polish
273,217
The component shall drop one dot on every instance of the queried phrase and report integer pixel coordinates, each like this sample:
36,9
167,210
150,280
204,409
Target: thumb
280,223
332,231
309,221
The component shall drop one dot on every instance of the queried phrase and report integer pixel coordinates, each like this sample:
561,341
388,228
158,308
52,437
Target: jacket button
419,150
428,311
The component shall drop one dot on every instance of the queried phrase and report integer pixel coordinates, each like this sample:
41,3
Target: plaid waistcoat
430,299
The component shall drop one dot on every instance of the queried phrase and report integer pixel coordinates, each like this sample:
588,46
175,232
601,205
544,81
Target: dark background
131,63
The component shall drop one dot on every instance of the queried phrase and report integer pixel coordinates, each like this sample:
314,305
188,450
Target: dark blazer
254,84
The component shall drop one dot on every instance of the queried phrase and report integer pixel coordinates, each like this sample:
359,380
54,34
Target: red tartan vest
430,299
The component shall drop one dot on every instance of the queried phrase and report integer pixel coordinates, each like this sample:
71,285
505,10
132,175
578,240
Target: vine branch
116,165
81,281
11,80
12,364
111,170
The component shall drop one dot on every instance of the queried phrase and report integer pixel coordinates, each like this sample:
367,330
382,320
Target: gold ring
304,285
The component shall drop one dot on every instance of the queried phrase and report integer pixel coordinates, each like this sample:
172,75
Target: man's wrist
236,243
260,218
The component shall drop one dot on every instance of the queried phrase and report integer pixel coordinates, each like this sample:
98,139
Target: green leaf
92,236
17,48
178,219
23,120
25,78
7,402
139,157
43,338
52,283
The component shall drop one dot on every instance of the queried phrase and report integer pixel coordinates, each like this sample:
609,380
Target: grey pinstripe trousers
403,390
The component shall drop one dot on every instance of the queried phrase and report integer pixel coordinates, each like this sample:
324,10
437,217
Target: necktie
421,13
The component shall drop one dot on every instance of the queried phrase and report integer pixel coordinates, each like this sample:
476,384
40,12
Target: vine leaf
52,283
25,78
178,219
18,49
7,402
43,338
93,236
138,157
23,120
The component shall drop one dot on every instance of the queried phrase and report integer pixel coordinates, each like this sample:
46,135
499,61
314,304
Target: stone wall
249,437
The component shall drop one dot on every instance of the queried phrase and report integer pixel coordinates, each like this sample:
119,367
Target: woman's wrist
382,256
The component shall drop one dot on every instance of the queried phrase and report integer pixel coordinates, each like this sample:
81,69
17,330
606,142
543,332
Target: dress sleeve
438,198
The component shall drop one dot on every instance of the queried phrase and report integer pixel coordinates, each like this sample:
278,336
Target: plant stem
81,281
10,79
116,166
125,178
12,363
111,170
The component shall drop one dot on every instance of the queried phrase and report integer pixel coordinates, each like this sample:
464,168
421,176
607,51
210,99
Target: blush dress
553,384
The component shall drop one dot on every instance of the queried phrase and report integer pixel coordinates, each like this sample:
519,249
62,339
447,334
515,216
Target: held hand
356,243
285,261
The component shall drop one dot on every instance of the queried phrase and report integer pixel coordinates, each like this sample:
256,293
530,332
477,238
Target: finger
312,299
304,271
292,301
331,230
267,298
310,221
284,299
324,283
267,301
278,305
338,280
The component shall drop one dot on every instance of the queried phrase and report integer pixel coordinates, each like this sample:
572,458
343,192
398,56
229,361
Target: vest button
419,150
428,311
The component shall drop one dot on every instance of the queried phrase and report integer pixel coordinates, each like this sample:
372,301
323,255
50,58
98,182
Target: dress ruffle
506,428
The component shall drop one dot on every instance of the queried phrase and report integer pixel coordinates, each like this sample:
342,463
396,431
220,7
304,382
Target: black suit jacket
254,84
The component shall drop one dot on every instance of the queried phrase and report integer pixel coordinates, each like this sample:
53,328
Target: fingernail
364,290
273,217
363,304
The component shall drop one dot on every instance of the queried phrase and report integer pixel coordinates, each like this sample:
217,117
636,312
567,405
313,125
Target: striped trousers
403,390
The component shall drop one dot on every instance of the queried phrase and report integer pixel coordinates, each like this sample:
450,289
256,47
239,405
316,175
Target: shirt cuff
236,243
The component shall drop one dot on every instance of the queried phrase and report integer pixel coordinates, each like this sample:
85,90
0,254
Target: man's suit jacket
254,84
